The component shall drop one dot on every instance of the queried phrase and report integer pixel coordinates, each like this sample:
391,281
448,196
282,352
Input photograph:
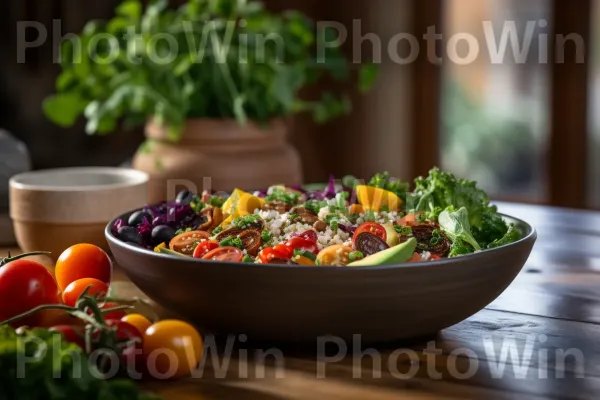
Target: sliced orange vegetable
356,209
301,260
373,199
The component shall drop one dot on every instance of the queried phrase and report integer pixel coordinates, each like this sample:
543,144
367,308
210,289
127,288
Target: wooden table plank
552,307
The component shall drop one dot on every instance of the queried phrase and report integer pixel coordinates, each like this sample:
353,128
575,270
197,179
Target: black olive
185,197
138,217
162,234
368,244
129,234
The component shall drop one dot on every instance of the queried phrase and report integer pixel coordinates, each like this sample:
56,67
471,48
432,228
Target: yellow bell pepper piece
372,198
240,203
160,246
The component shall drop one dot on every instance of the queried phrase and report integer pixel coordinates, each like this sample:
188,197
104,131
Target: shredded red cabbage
329,191
119,223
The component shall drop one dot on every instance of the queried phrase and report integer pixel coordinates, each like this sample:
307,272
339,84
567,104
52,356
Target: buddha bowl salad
352,224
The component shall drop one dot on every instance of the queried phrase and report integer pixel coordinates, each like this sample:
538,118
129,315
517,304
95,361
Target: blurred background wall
499,124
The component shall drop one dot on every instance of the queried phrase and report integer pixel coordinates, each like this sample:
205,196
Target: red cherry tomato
309,235
74,290
300,243
131,354
82,261
280,251
203,248
71,333
227,253
370,227
112,314
24,285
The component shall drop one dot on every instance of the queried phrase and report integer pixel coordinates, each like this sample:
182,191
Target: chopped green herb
369,216
356,255
340,199
284,196
216,201
180,231
353,218
218,229
246,221
304,253
384,209
334,224
403,230
314,206
265,235
232,241
293,216
197,204
420,217
248,258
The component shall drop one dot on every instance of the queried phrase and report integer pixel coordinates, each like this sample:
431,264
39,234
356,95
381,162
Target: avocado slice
392,238
394,255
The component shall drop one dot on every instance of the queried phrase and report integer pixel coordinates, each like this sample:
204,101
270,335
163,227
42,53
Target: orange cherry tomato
204,247
82,261
409,220
370,227
97,288
140,322
172,349
227,253
186,242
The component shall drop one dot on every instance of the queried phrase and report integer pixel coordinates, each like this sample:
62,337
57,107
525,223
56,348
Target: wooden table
539,339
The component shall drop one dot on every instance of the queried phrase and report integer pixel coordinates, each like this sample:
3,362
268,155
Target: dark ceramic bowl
299,304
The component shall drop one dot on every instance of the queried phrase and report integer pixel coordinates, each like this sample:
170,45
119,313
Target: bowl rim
530,237
132,177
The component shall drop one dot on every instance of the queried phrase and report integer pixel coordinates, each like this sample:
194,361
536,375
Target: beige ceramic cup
54,209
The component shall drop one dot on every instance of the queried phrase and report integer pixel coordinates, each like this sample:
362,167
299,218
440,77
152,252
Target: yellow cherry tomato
172,349
140,322
338,254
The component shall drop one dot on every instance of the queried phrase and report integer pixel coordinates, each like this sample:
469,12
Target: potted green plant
214,82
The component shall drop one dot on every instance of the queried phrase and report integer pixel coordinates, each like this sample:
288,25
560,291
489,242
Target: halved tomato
309,235
228,253
280,251
370,227
186,242
204,247
300,243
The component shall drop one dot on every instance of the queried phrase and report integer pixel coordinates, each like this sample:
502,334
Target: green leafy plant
207,59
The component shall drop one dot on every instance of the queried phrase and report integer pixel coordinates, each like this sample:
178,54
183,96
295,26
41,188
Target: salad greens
30,359
455,225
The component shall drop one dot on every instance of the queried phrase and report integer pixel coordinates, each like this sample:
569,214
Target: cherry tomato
280,251
112,314
416,258
186,242
173,348
25,284
138,320
131,354
408,220
74,290
82,261
309,235
370,227
227,253
299,243
435,257
71,333
204,247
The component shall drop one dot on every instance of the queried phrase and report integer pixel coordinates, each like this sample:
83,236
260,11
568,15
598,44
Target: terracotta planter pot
232,156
